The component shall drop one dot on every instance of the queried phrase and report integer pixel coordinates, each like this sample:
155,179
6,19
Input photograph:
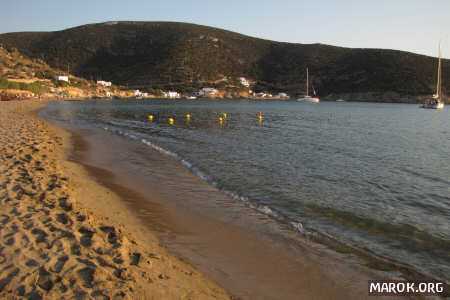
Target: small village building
206,92
104,83
171,94
63,78
244,81
139,94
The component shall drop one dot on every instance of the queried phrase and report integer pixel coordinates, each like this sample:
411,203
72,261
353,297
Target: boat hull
309,99
438,105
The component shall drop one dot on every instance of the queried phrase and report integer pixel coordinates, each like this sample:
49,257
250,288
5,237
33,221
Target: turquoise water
373,177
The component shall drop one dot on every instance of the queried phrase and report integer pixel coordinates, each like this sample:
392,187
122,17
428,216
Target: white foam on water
299,227
160,149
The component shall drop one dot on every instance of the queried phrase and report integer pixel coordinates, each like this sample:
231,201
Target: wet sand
246,252
64,236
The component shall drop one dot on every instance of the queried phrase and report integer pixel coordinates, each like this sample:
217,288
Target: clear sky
410,25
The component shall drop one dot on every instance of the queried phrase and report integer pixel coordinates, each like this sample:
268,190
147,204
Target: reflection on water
371,176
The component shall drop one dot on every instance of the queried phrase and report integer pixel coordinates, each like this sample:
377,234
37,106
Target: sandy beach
63,236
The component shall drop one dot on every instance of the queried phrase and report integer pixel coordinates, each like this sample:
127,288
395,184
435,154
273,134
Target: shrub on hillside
38,88
3,83
35,87
45,74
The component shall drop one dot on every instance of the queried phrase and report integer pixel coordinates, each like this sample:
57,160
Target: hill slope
24,78
187,56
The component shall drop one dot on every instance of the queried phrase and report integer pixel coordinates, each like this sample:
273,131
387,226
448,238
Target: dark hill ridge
187,56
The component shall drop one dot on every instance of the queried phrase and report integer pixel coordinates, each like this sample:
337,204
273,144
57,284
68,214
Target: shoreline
63,235
388,97
235,256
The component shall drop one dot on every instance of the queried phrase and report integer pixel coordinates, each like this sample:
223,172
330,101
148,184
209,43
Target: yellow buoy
150,117
220,119
188,117
260,118
170,120
224,115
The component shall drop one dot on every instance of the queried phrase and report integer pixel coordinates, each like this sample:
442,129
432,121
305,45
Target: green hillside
186,57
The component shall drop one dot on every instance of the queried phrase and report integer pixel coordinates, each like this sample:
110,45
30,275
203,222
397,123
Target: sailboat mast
307,82
438,87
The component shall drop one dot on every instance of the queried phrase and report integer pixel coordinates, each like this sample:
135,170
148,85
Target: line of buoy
220,119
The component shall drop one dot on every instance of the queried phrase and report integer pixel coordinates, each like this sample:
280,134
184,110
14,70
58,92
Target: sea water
370,177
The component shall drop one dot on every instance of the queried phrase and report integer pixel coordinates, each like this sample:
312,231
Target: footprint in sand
10,241
64,219
64,204
5,219
86,275
4,281
31,263
28,224
44,281
86,238
112,235
135,258
59,265
75,249
41,235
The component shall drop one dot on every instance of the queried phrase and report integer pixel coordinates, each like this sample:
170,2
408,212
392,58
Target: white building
63,78
171,94
138,93
206,92
244,81
104,83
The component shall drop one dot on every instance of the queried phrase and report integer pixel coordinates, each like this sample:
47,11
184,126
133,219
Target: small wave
160,149
433,179
186,164
125,123
267,211
120,132
299,227
235,196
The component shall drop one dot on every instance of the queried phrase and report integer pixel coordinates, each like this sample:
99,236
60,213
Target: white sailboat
437,101
307,97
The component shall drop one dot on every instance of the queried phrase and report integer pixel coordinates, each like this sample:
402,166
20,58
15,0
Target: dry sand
63,236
